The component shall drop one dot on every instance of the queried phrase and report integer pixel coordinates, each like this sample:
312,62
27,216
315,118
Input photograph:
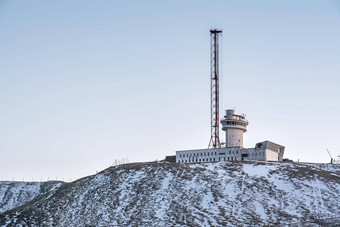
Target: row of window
203,154
242,123
259,154
206,159
198,154
197,159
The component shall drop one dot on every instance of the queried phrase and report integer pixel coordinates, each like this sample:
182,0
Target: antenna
330,156
214,88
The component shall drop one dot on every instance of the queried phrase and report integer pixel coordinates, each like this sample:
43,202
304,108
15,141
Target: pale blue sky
85,82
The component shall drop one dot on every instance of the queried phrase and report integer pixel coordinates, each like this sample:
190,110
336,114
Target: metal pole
214,88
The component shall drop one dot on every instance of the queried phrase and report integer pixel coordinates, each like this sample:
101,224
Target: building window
224,158
228,159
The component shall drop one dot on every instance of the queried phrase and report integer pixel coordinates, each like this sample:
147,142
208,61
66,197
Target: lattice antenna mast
214,88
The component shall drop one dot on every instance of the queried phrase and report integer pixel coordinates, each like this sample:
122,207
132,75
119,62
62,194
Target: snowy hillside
14,194
210,194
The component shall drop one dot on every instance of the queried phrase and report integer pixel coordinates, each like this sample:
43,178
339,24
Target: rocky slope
14,194
210,194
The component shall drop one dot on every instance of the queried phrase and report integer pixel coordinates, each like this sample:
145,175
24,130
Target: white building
234,125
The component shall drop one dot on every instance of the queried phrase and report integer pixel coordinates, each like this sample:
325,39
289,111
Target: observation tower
234,126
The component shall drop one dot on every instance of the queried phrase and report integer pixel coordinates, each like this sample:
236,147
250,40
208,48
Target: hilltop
206,194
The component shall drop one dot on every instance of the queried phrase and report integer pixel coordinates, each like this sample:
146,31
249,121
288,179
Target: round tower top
235,121
230,114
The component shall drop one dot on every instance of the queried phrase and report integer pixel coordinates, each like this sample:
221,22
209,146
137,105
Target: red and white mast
214,88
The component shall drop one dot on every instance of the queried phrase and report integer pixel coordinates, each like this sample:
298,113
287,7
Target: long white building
234,126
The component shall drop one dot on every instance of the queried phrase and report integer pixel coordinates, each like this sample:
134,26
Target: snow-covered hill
14,194
209,194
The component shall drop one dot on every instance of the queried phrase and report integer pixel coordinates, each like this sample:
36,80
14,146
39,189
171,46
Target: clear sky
83,83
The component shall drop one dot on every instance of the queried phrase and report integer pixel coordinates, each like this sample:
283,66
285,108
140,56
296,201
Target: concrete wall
234,137
264,151
208,155
254,154
272,156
